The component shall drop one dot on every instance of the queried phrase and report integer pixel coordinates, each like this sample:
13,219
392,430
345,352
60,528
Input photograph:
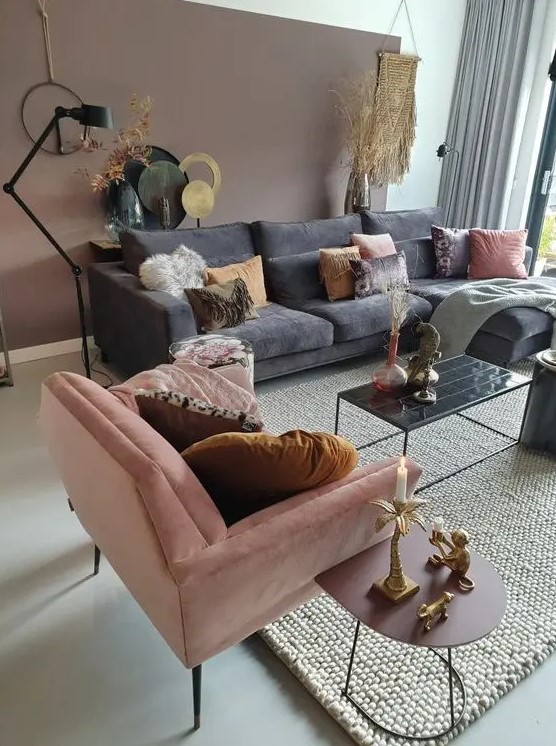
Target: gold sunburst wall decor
198,196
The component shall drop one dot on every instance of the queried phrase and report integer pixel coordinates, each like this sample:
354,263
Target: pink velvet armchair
204,586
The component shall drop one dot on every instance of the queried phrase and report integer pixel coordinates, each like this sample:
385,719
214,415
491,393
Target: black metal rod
351,657
487,427
9,188
468,466
451,682
197,676
96,561
337,415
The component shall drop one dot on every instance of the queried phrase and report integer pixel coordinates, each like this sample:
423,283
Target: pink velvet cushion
183,420
373,247
191,379
497,254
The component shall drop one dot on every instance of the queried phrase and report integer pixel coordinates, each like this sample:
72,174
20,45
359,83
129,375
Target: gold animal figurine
418,365
436,609
457,558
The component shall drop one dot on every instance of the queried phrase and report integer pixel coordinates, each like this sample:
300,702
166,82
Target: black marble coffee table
463,382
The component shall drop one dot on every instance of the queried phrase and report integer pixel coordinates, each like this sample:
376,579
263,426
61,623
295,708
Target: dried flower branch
399,306
356,103
130,145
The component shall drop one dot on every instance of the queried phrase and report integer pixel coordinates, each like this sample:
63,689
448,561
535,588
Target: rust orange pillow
250,271
246,472
335,271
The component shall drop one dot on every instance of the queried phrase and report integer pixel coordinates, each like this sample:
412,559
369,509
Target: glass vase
123,209
390,377
358,193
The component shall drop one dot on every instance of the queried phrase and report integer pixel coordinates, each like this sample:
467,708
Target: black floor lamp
88,116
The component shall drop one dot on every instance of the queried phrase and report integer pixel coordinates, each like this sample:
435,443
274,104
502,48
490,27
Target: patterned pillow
379,275
184,420
452,251
222,306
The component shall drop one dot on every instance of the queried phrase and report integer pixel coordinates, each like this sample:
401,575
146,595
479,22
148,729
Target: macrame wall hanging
393,131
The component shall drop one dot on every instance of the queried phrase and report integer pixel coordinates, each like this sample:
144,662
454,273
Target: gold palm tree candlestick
396,585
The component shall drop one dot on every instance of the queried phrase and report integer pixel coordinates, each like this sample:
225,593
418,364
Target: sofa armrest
528,258
133,326
294,546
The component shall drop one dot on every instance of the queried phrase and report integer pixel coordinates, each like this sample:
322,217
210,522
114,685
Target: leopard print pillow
183,420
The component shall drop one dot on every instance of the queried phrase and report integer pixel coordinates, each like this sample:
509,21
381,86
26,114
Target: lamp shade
94,116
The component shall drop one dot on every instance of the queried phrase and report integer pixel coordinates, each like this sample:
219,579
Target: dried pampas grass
356,106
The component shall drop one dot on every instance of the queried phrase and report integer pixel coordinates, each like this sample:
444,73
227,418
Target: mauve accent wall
252,90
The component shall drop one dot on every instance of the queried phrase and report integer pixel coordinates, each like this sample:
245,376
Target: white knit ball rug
507,503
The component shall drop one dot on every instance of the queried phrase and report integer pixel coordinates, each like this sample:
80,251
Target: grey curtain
484,110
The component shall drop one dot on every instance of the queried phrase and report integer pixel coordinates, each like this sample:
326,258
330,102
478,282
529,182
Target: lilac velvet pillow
378,275
452,251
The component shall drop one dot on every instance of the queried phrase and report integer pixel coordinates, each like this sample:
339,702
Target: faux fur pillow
174,272
184,420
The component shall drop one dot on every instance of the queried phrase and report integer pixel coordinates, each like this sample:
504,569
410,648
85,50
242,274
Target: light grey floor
80,665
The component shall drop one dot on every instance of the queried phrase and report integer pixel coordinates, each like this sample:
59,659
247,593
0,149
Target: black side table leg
451,682
405,439
351,657
337,415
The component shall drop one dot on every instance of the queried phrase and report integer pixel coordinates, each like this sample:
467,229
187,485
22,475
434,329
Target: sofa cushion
402,224
293,279
336,272
250,271
234,467
281,239
436,290
419,256
497,254
221,306
282,331
232,241
518,323
354,319
183,420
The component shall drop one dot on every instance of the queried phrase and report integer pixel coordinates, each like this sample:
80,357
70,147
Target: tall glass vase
390,377
123,209
358,193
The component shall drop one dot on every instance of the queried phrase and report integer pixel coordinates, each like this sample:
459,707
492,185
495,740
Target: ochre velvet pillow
335,271
496,254
251,272
184,420
373,247
244,473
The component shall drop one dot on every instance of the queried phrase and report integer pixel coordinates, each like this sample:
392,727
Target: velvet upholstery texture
436,290
402,224
373,247
284,332
295,278
497,254
452,251
283,239
232,240
354,319
379,275
204,589
234,467
250,271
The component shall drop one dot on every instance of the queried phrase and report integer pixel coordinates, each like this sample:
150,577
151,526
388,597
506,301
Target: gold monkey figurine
437,608
457,558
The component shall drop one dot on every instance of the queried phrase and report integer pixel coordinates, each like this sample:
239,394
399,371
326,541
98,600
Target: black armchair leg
97,560
196,673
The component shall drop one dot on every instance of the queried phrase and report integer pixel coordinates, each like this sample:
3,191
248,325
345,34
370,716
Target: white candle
438,524
401,482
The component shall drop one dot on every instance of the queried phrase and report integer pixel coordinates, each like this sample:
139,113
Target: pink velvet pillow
373,247
497,254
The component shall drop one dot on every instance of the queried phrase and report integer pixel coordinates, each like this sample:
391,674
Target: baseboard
26,354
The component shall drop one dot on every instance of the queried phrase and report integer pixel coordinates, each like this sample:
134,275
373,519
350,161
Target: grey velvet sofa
300,328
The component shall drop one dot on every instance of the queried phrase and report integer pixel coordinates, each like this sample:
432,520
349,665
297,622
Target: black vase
123,209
